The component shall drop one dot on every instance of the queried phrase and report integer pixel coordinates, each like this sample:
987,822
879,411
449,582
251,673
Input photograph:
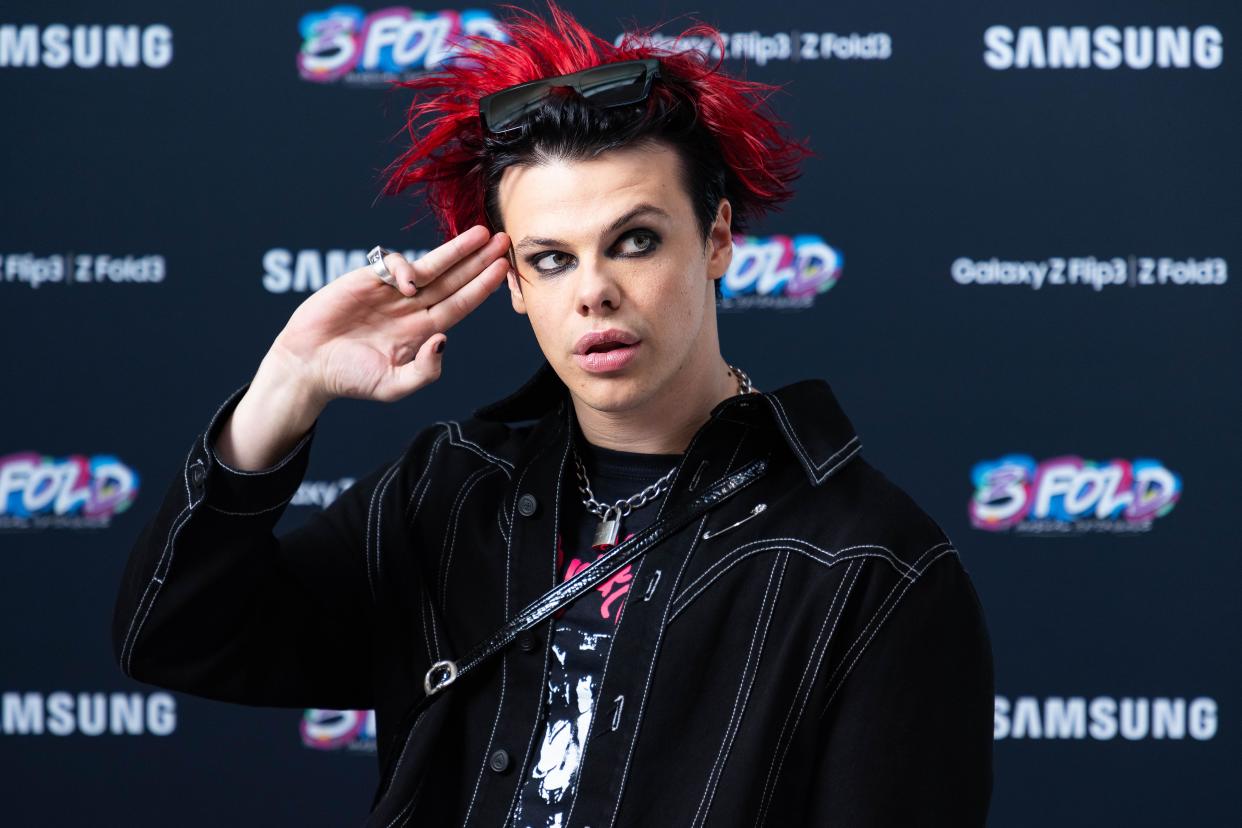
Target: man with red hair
638,590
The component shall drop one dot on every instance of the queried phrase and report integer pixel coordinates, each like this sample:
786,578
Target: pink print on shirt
611,589
579,647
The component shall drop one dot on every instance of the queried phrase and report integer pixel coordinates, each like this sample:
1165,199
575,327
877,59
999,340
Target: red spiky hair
448,156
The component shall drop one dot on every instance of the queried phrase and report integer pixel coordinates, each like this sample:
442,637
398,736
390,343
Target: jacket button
527,504
500,761
197,474
527,641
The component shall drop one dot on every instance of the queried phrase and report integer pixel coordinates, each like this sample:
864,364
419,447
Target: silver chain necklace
610,515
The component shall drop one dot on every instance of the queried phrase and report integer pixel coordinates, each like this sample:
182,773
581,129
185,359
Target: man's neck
664,424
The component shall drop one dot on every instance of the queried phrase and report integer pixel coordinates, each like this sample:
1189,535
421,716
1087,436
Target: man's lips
613,358
610,339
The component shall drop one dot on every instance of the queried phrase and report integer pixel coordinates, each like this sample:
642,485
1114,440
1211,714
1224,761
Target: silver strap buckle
447,668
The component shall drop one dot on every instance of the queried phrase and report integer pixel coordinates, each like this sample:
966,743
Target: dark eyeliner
535,257
656,241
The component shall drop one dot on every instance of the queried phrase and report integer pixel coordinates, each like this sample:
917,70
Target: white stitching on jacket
423,600
431,456
881,606
379,512
782,740
694,481
156,579
280,464
206,448
215,508
373,518
260,472
131,635
450,542
470,445
549,627
642,699
811,673
504,654
384,480
737,554
744,685
664,620
690,599
400,757
841,682
500,523
786,426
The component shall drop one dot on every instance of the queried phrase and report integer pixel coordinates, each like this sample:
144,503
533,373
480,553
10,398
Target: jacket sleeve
908,738
212,603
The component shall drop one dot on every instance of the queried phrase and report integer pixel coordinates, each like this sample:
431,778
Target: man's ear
720,241
515,289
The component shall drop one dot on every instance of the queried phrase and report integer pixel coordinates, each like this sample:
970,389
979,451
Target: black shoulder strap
443,673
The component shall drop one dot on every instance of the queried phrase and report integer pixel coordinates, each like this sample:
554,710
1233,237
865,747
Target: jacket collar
805,412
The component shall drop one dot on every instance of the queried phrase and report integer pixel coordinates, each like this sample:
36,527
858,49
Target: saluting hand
361,337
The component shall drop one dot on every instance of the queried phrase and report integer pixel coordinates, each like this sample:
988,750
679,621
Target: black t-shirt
582,630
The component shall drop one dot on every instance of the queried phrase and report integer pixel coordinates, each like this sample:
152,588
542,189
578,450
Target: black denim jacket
824,661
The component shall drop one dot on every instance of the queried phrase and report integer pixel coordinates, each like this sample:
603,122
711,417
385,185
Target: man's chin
611,392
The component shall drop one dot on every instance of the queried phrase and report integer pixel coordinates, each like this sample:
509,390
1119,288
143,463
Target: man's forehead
576,198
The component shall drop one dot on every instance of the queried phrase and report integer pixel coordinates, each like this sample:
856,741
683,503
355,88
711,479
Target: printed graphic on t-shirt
610,589
580,642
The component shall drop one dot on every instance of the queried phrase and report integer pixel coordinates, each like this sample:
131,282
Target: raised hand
361,337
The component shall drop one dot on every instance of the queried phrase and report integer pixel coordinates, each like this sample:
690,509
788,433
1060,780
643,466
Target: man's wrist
282,384
277,410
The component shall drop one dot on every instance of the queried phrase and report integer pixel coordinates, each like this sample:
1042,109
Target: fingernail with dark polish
440,345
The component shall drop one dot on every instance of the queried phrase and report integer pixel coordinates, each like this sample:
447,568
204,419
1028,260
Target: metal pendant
609,529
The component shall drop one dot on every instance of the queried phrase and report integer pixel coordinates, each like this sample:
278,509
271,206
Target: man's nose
597,289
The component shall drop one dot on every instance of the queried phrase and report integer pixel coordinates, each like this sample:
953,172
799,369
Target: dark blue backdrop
1010,259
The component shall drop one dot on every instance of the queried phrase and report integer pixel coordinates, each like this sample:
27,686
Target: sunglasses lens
613,84
504,109
609,86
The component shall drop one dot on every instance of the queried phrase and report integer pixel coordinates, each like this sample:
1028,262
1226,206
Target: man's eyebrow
638,210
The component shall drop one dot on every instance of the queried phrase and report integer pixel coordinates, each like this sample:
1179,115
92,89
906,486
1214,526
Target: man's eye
639,242
555,264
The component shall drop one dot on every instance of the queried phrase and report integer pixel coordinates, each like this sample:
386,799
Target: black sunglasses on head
606,85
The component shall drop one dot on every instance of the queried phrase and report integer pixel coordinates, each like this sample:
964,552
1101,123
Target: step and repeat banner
1010,257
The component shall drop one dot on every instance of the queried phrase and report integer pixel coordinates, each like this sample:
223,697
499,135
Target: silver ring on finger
376,259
